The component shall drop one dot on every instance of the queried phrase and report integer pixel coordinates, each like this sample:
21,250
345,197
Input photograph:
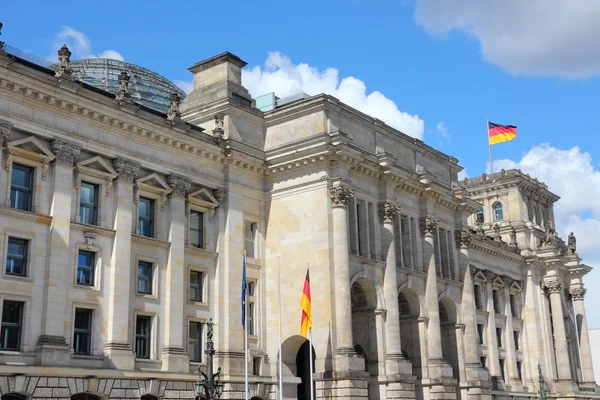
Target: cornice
488,246
511,179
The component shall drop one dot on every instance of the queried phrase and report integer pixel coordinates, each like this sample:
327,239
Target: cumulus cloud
442,129
284,78
80,45
534,37
186,86
571,174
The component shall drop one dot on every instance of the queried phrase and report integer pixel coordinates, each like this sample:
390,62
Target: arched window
14,396
479,216
498,215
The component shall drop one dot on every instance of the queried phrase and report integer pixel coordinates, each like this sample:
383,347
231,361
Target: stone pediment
498,281
203,198
154,183
516,286
97,166
30,147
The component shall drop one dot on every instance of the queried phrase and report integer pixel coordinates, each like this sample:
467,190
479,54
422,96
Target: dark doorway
303,372
13,396
149,397
84,396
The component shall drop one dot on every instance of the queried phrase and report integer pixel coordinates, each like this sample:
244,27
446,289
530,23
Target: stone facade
123,230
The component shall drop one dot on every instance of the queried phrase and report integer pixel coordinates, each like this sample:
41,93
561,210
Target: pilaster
585,351
5,130
514,382
492,342
52,347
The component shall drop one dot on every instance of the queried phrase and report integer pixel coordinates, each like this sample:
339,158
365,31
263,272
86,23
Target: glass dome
146,87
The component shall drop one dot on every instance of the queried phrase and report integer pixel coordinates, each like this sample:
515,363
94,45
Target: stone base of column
588,387
514,385
441,384
397,364
119,356
398,386
564,386
52,351
348,360
175,359
477,379
230,362
498,383
353,386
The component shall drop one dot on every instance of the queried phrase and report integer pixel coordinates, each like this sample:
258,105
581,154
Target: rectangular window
146,217
496,300
195,342
480,333
143,327
256,361
88,203
516,338
513,306
406,242
477,295
519,370
196,283
16,258
499,336
197,229
21,187
502,369
482,360
82,338
144,280
250,317
86,265
249,238
12,323
251,286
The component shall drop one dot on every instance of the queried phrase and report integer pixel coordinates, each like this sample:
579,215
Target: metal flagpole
245,334
487,127
310,360
280,354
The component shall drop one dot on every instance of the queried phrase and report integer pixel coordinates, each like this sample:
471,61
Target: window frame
201,286
477,297
201,230
497,206
29,190
251,314
250,243
93,269
481,334
497,300
25,259
102,177
151,277
199,338
517,339
499,338
148,337
152,217
19,325
256,365
95,206
89,331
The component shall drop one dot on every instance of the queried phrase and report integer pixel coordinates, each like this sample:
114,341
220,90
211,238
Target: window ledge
149,241
197,303
17,278
366,260
86,357
30,215
201,252
148,297
93,288
96,228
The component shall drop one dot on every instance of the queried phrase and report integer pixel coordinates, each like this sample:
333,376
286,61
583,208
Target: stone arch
361,353
450,339
451,305
373,290
294,352
412,342
305,356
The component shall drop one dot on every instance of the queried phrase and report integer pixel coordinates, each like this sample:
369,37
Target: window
256,361
480,333
196,282
513,306
195,342
12,320
197,229
88,203
498,215
519,370
477,295
143,326
496,300
86,265
479,216
82,338
16,258
144,280
251,287
502,369
249,238
146,217
482,360
21,187
516,338
499,336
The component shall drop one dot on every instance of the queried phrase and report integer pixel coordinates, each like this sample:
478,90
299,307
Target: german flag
306,306
501,133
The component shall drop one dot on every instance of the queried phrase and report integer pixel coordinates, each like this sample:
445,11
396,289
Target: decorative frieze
388,211
179,184
66,152
174,107
578,293
64,58
340,196
123,91
126,169
428,225
463,238
554,286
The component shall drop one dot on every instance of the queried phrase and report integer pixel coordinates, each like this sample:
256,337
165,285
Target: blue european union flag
244,294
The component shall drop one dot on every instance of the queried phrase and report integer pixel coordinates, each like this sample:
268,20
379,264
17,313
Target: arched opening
448,318
412,345
84,396
303,371
149,397
364,330
13,396
498,214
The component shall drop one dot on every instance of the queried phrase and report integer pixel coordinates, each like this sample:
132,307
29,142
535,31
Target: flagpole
310,360
280,353
487,128
245,335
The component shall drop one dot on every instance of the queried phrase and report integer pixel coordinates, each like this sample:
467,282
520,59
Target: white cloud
186,86
442,129
281,76
571,174
80,45
532,37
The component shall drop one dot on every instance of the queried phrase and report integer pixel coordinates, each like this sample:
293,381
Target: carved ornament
126,169
388,211
578,293
179,184
220,195
123,91
89,239
463,238
340,196
174,107
5,129
428,225
219,131
554,286
64,59
572,244
66,152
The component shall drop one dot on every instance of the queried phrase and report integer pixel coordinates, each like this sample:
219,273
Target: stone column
340,196
429,227
174,356
52,348
117,349
5,129
563,366
511,353
585,351
395,361
492,343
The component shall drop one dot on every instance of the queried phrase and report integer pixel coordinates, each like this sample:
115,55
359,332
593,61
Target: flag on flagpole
305,304
501,133
244,293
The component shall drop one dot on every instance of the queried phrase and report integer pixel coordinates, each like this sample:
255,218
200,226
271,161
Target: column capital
578,293
553,286
126,169
340,196
463,238
179,184
428,225
388,211
5,129
66,152
489,276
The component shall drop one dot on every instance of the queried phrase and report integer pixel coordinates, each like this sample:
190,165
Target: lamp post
208,386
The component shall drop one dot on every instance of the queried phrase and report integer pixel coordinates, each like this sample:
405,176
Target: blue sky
448,65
